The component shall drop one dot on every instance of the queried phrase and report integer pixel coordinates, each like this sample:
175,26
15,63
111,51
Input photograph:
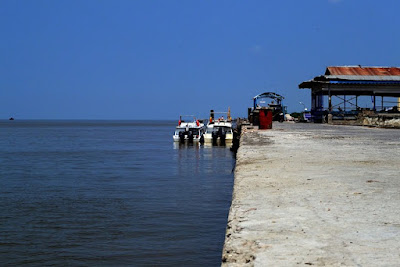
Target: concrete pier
315,195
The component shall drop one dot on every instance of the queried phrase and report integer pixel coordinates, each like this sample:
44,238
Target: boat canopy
278,98
269,95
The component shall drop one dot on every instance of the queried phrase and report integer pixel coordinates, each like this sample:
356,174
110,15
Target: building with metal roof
348,83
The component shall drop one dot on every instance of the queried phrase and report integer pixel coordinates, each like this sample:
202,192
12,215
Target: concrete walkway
316,195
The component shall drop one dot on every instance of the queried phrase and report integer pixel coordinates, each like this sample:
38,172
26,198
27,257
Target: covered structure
260,103
348,83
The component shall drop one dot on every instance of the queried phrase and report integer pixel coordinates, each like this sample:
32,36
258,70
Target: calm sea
110,193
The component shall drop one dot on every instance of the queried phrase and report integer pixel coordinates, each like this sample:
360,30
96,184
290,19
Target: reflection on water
186,145
204,158
218,144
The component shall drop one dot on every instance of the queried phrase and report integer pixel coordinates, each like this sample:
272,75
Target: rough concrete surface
315,195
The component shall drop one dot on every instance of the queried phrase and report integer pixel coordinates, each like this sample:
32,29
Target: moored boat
219,131
191,131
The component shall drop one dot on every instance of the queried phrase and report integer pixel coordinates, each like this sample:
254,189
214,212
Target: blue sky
159,59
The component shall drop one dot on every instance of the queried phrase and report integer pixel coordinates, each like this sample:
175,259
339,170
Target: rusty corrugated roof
362,71
380,78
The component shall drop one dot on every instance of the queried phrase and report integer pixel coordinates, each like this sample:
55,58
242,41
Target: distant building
348,83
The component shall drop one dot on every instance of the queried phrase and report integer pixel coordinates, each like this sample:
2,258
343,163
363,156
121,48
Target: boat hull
186,139
209,139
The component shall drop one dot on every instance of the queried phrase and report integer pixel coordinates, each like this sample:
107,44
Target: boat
191,131
260,103
219,131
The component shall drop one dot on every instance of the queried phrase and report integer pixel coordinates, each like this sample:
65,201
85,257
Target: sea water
110,193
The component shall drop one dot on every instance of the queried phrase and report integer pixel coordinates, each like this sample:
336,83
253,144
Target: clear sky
159,59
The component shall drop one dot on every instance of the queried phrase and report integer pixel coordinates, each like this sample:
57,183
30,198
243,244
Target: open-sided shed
350,82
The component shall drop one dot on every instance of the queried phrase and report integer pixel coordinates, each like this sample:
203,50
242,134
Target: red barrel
265,119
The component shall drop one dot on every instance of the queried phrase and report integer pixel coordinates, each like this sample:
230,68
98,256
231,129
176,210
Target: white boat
219,130
191,131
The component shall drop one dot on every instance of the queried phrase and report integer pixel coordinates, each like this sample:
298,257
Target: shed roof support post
329,99
357,102
374,103
313,104
317,105
382,103
313,100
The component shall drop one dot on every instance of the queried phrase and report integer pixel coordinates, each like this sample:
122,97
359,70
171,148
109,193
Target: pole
329,100
356,102
374,103
344,103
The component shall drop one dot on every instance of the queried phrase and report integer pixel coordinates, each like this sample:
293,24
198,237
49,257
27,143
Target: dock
315,195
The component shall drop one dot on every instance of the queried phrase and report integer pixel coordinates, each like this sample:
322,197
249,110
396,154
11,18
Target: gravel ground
315,195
